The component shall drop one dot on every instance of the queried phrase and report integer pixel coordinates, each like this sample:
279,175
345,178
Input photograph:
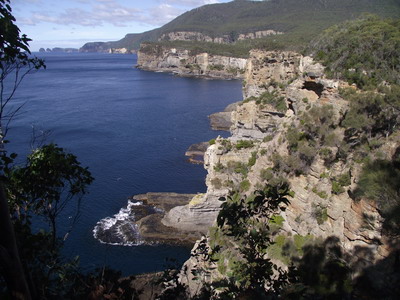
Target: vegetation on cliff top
364,52
299,20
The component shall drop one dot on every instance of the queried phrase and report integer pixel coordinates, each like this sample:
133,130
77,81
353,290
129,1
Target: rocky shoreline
147,217
141,222
182,62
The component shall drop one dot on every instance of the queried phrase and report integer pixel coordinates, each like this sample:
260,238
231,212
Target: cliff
289,128
222,39
101,47
183,62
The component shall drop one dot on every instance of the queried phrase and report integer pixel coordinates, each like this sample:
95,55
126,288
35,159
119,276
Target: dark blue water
131,128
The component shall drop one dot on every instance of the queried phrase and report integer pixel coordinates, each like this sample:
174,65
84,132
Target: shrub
227,144
211,142
219,167
252,159
320,214
278,102
245,185
320,194
268,138
244,144
355,50
238,167
216,67
341,181
380,182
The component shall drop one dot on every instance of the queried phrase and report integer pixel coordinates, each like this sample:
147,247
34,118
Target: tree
47,183
43,186
15,63
245,221
12,60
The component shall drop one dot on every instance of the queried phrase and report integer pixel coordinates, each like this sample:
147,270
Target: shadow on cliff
325,271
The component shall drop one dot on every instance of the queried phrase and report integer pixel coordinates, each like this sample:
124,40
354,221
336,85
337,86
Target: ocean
131,128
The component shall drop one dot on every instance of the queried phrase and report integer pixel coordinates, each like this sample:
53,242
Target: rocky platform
150,228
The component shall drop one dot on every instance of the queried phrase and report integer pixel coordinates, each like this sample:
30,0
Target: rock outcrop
104,47
196,152
224,39
260,127
182,62
141,222
223,120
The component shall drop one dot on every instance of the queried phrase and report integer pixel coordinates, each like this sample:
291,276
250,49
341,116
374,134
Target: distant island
60,50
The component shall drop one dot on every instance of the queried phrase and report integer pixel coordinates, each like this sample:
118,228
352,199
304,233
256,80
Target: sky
72,23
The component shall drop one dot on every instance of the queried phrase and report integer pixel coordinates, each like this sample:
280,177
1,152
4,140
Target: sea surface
131,128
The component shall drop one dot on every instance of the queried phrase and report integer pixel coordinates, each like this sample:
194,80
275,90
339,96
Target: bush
252,159
278,102
245,185
363,51
244,144
320,214
268,138
219,167
237,167
380,182
320,194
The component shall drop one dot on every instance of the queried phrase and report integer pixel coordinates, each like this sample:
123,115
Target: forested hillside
299,20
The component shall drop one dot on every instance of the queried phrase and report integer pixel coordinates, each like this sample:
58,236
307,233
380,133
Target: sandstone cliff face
156,58
259,133
225,39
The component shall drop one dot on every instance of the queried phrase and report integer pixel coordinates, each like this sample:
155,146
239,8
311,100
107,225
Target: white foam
124,215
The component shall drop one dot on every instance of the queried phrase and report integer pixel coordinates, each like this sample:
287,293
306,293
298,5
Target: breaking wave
121,228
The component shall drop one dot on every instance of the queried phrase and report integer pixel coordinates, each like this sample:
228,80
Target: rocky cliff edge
283,92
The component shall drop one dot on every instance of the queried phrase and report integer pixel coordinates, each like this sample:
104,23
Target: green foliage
302,240
320,194
371,115
216,67
211,142
320,213
268,138
310,137
322,272
50,179
300,22
252,159
226,144
240,219
277,219
244,144
380,182
339,182
324,175
16,62
275,223
219,167
245,185
364,51
267,98
287,249
238,167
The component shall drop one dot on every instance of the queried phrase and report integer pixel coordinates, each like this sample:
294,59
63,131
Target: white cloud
191,3
160,14
108,11
96,13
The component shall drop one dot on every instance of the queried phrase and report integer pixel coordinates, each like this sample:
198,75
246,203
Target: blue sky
59,23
